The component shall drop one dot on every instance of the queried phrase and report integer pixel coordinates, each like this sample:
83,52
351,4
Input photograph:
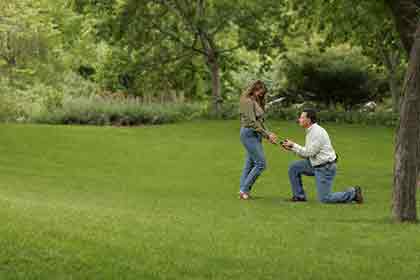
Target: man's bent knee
294,167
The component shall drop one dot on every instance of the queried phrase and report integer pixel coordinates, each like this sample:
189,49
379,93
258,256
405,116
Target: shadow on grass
357,220
278,200
375,221
310,205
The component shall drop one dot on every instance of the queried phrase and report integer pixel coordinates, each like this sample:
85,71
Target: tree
407,149
25,37
335,75
212,30
407,142
41,39
362,23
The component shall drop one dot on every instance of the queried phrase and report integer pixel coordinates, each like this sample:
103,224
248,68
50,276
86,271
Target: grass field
161,203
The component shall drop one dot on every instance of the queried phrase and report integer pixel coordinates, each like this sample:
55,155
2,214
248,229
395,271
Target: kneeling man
319,160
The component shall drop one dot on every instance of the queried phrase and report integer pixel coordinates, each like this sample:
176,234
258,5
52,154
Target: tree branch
156,65
405,13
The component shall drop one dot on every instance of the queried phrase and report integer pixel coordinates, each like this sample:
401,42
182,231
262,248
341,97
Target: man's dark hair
311,114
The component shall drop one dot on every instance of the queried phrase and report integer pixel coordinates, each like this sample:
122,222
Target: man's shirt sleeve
312,147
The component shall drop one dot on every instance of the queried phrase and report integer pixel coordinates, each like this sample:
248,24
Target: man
319,161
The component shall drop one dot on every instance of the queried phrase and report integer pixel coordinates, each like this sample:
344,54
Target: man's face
304,121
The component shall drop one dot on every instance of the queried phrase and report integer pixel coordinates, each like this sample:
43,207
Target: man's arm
311,148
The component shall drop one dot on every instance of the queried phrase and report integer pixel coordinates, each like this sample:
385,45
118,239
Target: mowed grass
161,203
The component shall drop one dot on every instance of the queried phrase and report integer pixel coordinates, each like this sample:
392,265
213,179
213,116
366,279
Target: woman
251,106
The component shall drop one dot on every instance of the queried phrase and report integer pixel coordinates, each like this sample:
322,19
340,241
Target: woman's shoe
244,195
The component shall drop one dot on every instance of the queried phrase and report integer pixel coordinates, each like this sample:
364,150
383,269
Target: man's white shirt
318,146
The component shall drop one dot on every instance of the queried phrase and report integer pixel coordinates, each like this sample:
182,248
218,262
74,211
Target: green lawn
161,203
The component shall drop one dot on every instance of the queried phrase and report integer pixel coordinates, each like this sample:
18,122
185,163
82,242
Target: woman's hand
272,138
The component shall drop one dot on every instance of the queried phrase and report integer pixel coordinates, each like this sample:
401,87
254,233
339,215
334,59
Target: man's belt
325,163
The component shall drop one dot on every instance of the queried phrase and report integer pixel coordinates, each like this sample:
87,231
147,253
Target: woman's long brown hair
250,90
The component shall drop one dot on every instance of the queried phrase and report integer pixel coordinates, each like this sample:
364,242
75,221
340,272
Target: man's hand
272,138
287,144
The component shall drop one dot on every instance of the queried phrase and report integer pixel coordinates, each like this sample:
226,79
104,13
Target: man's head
307,118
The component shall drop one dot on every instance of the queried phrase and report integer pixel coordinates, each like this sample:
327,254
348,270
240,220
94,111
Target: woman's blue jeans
324,177
254,160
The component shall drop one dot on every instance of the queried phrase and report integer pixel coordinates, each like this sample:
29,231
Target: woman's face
259,92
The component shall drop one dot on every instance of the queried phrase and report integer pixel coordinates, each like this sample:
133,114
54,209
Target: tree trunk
392,64
214,68
407,141
212,60
418,161
162,98
390,59
215,84
395,92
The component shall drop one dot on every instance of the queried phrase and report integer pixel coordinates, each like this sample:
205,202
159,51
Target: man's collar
310,128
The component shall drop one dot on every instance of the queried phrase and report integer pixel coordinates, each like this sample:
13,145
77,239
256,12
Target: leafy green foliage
375,118
179,51
368,24
97,110
338,75
364,23
26,35
161,49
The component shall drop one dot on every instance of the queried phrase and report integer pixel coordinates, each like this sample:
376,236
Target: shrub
228,110
21,101
385,118
97,110
338,75
75,85
18,104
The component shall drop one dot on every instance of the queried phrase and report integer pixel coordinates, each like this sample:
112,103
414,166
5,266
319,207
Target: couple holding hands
318,156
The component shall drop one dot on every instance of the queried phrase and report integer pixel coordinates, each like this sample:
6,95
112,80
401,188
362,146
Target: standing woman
252,103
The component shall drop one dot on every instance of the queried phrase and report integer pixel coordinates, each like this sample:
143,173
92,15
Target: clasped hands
286,144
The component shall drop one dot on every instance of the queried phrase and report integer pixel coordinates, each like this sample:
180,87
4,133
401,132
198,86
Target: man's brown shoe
358,197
